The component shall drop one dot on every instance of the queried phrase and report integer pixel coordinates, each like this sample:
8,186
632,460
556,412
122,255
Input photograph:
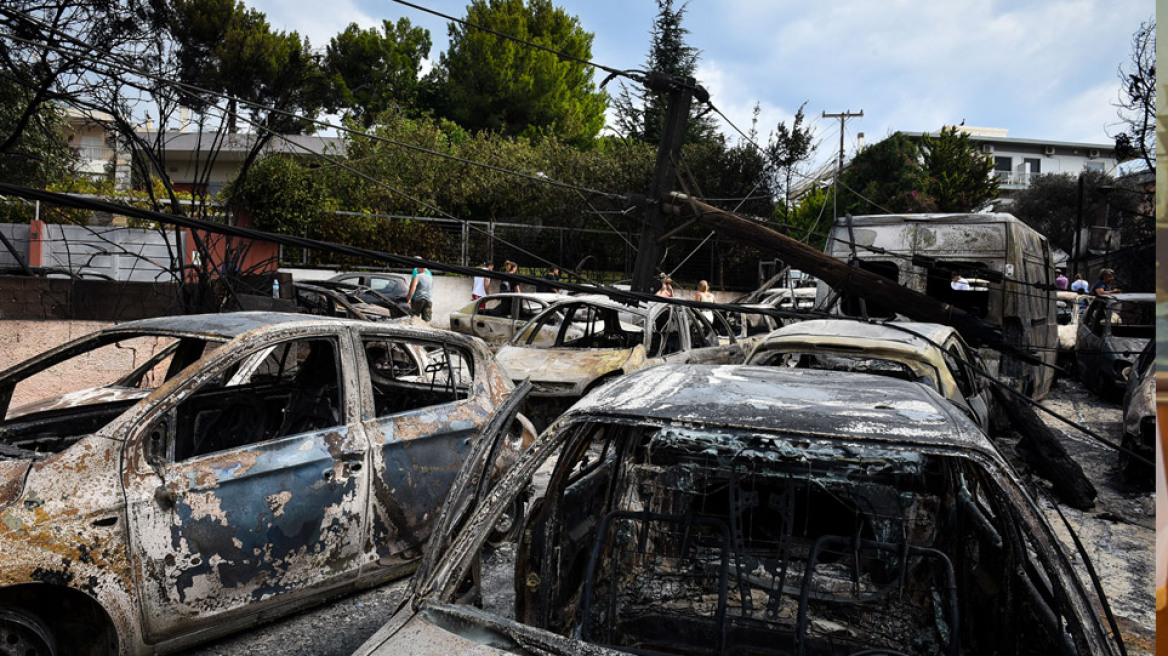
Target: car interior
669,540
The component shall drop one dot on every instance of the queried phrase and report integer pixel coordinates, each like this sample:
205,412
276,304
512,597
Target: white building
1017,161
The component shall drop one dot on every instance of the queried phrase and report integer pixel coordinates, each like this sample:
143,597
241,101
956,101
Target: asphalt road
1119,535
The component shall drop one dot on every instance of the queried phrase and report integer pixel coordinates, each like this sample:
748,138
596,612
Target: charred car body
577,344
496,317
246,465
725,510
1011,261
927,353
1112,332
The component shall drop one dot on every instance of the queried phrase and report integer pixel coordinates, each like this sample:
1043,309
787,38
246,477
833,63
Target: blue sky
1042,69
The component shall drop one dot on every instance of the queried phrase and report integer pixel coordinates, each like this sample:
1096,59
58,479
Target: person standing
704,295
1080,285
507,285
419,297
482,284
1102,287
553,274
1060,281
666,288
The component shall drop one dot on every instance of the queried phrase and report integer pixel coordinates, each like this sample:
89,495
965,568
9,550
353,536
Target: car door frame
157,489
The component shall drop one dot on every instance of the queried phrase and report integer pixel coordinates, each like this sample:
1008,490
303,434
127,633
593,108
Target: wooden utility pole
843,117
681,91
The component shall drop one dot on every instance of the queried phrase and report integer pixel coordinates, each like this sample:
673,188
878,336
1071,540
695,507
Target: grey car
169,480
750,510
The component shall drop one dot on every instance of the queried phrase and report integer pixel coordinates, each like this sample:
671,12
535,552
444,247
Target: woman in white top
704,295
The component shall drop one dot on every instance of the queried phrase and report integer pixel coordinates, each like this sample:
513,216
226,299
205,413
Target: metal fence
604,256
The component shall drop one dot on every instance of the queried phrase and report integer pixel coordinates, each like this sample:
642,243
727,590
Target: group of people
481,286
1102,287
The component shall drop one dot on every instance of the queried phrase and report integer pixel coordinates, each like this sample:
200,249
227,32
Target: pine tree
640,114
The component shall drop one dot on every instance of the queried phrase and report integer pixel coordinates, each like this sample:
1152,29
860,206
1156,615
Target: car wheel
24,634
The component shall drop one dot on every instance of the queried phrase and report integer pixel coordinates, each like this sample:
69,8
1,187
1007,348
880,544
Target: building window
1003,164
1093,166
1033,165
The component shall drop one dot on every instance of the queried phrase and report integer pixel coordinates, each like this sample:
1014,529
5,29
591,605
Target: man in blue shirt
1102,287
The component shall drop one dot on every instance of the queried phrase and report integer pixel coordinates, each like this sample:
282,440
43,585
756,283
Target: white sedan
497,317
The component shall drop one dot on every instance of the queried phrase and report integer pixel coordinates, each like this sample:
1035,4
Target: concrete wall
22,339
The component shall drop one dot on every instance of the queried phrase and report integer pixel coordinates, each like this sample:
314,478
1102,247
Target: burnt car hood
579,366
81,398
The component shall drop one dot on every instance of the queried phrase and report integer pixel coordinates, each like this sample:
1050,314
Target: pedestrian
419,298
1080,285
666,288
506,285
1060,281
959,283
704,295
1102,287
552,274
481,285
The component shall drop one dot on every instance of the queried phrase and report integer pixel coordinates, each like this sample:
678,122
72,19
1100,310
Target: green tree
640,114
886,177
960,176
281,193
376,70
226,48
38,154
786,149
1050,205
486,82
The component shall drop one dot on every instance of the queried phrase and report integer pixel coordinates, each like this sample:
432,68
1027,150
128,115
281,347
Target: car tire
23,633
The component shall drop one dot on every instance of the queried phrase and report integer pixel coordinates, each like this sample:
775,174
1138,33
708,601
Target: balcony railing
95,153
1014,178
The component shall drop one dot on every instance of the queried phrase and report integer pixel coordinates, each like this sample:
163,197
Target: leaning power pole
681,91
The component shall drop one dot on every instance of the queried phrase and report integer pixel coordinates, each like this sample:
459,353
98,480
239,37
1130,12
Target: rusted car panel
291,460
753,510
930,354
1139,418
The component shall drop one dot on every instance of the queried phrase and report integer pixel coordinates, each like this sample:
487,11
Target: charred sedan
751,510
927,353
234,468
578,344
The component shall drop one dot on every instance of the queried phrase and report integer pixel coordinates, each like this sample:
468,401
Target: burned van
990,265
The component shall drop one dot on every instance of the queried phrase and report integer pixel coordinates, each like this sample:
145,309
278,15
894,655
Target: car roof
542,296
978,217
901,332
224,325
843,405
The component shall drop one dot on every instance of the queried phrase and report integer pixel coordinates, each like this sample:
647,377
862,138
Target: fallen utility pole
681,91
1040,445
840,276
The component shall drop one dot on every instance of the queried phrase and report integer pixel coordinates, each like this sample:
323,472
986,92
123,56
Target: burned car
202,473
927,353
1139,419
496,317
394,286
751,510
1112,332
329,298
579,343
